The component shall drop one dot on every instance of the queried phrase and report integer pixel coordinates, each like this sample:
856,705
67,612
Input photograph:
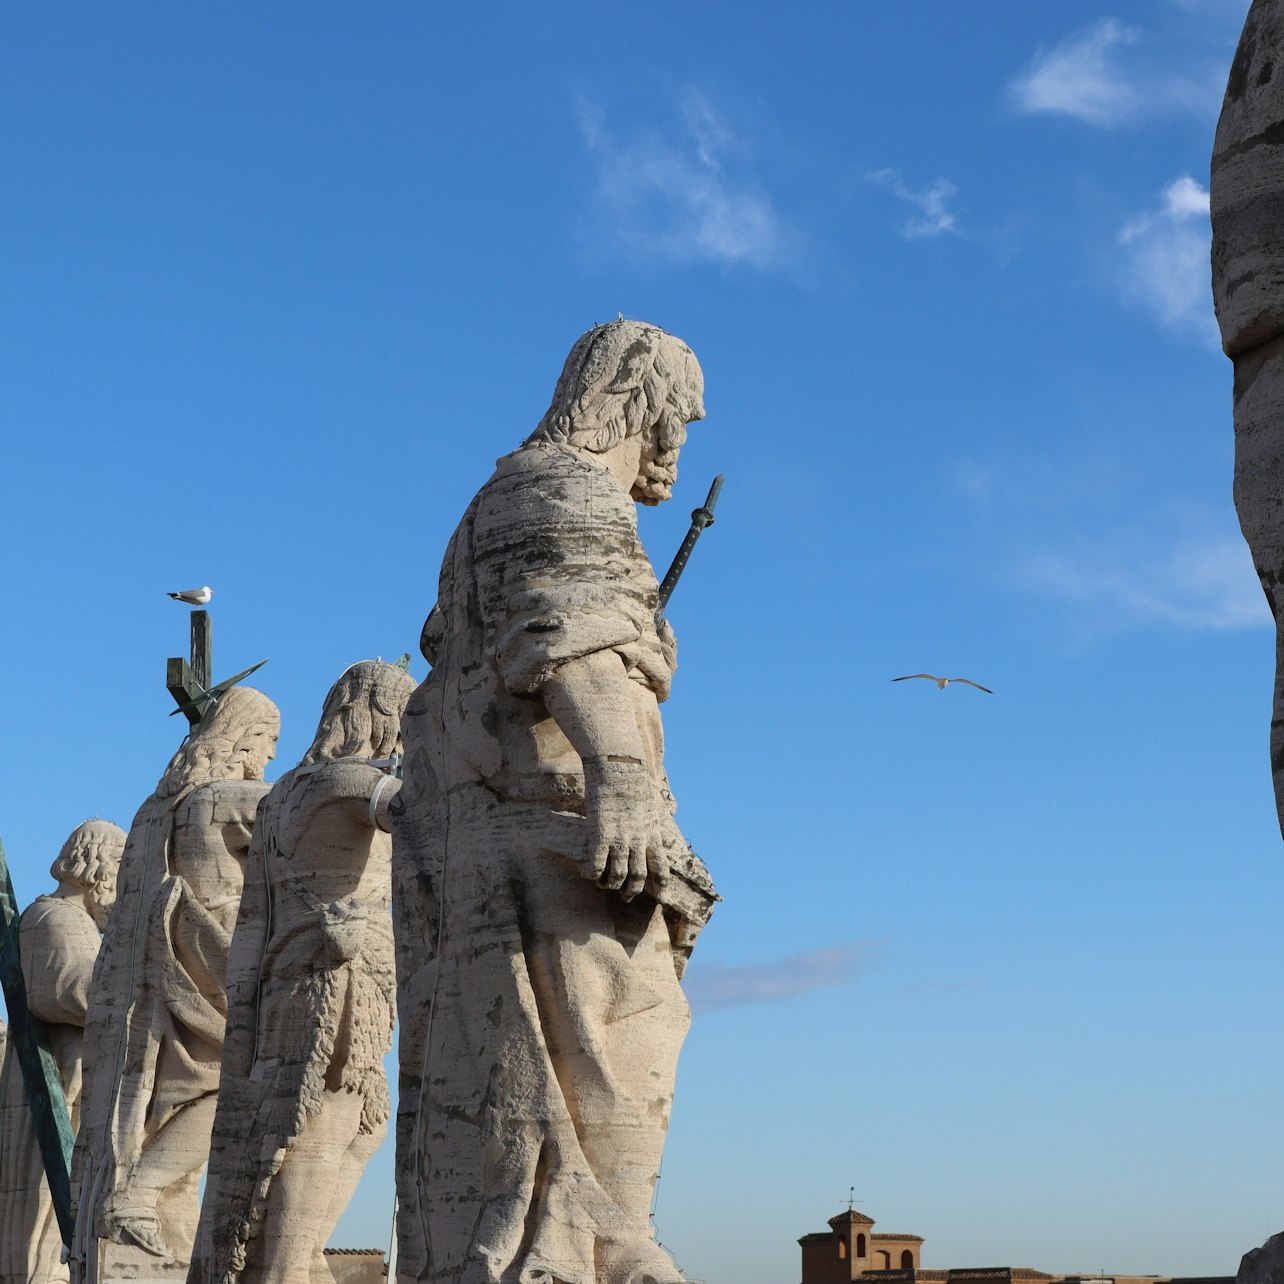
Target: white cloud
713,985
932,203
1080,77
680,190
1166,265
1189,581
1100,76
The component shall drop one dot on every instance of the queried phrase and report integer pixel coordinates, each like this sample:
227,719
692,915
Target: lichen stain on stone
1238,80
495,1013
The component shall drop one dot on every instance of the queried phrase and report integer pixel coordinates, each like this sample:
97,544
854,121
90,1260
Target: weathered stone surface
545,901
1247,178
58,940
1247,196
157,1003
303,1102
1263,1265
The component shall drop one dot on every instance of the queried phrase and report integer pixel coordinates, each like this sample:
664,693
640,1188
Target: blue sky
281,281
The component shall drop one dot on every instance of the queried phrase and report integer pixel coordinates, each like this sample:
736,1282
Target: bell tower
851,1247
852,1239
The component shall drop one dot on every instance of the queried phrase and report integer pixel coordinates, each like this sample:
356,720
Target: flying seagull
942,683
194,597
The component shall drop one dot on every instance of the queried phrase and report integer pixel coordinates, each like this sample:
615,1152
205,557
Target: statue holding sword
545,900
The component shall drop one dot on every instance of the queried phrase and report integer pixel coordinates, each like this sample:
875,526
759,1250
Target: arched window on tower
860,1244
842,1248
907,1260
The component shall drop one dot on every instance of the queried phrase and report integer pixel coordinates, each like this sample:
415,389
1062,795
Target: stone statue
58,940
1247,196
1247,191
545,902
157,1003
303,1102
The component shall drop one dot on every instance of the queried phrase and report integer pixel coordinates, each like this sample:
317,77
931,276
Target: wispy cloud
1166,259
1188,580
1102,76
1073,525
932,203
1080,77
713,985
682,190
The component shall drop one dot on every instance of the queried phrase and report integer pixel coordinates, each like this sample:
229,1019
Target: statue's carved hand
628,835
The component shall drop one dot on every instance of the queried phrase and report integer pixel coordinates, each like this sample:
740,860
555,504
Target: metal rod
29,1039
700,518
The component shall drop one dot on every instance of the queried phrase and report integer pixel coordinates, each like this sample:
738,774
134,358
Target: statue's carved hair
619,380
363,711
91,855
217,750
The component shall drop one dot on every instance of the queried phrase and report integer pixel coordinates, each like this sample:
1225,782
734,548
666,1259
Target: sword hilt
700,518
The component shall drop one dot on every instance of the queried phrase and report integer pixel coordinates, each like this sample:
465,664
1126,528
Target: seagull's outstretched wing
930,676
970,683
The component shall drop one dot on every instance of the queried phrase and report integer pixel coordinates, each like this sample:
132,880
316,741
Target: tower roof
850,1217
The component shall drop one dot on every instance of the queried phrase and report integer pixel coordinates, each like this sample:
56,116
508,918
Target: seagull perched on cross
942,683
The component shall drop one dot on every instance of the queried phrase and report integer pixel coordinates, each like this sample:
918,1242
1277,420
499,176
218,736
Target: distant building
851,1249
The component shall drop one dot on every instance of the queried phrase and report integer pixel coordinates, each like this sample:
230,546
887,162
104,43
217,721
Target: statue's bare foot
141,1229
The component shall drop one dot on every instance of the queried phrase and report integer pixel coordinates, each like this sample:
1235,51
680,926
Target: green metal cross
29,1039
189,683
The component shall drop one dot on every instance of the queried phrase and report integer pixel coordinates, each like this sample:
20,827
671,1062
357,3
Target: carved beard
99,903
658,467
657,474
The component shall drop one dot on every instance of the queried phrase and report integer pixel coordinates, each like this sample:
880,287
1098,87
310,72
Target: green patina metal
189,682
29,1041
700,518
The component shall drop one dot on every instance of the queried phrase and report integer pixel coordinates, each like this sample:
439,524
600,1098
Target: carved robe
311,990
541,1015
59,942
157,1017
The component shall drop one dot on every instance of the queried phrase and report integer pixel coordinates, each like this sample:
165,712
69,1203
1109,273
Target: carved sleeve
560,572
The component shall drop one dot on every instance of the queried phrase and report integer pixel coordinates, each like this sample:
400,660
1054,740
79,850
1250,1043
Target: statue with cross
157,1008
